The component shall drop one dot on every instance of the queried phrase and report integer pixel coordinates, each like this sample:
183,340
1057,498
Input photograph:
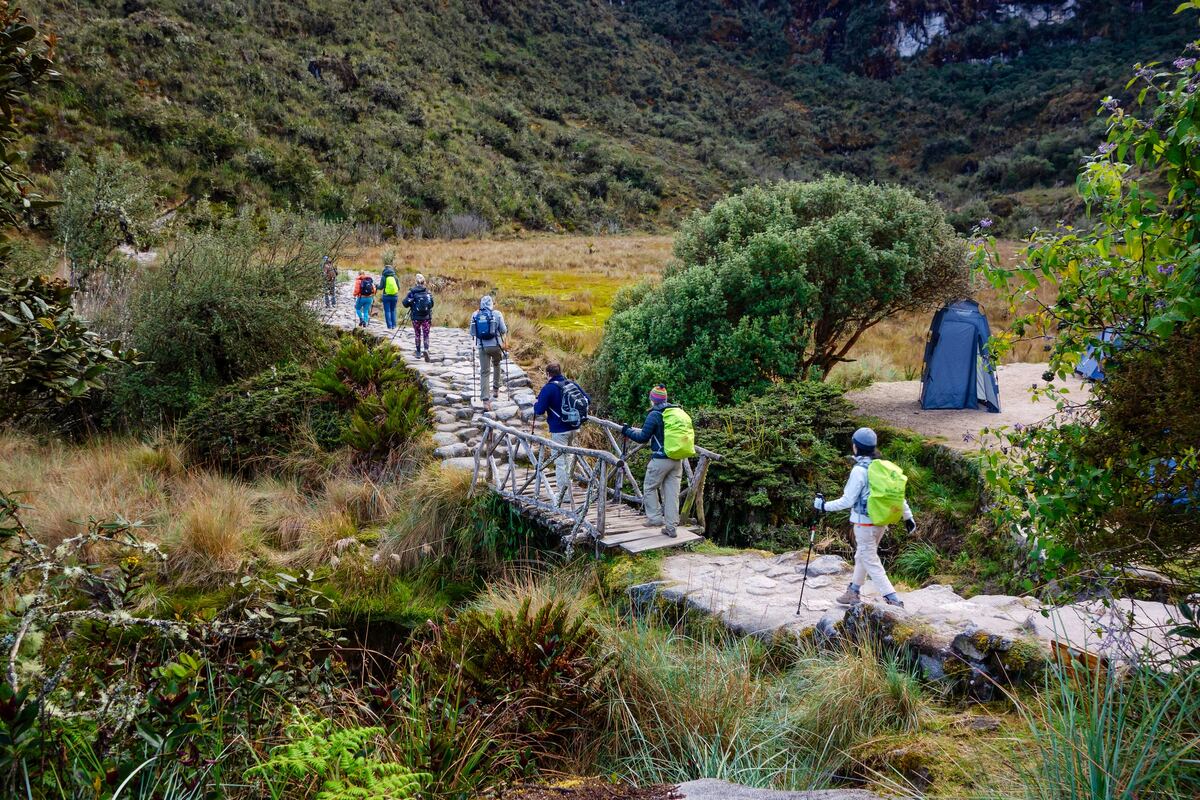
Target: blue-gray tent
958,372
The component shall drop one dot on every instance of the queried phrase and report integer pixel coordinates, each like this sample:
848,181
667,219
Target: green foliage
777,283
225,304
1088,484
103,205
341,759
26,60
252,423
48,357
386,405
916,562
414,118
1101,734
538,668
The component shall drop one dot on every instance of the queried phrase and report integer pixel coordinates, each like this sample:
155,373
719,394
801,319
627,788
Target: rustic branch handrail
601,474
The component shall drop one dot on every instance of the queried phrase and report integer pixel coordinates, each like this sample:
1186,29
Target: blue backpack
485,323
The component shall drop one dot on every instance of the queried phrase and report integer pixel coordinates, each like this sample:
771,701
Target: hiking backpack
574,404
679,437
485,322
390,286
423,303
885,492
366,287
330,273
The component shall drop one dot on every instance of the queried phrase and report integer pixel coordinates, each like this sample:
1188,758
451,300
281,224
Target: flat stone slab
711,789
759,594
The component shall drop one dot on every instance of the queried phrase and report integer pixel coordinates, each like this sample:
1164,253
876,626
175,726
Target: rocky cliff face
878,37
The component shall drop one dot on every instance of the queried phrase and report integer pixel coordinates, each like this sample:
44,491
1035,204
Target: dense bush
359,395
1115,482
783,447
536,670
778,282
223,305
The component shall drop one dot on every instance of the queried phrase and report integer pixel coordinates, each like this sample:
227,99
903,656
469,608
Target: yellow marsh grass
214,533
210,525
556,293
433,519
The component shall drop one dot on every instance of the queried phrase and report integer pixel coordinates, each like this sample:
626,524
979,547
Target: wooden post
602,494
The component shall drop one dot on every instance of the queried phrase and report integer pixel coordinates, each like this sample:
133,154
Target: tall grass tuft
1106,736
214,534
917,562
436,520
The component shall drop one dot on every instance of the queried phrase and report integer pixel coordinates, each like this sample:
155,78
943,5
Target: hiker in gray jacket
867,536
489,330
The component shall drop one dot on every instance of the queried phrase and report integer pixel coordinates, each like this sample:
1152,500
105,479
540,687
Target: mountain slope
432,115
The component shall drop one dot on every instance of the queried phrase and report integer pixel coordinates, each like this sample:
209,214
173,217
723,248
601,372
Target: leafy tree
104,205
779,282
48,357
1116,480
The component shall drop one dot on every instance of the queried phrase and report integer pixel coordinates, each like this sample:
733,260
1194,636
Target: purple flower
1166,269
1112,104
1183,63
1107,273
1145,73
1159,305
1105,148
986,222
1018,427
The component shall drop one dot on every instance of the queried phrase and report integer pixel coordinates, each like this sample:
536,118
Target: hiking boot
897,602
426,356
848,598
669,531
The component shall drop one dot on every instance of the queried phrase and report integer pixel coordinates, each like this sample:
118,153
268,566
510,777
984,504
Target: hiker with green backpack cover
669,432
875,496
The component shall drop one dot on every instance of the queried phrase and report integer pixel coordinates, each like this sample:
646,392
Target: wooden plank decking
625,526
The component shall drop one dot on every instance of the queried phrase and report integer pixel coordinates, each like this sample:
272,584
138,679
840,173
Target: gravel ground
899,404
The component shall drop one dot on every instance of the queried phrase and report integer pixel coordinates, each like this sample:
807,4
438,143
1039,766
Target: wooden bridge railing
518,465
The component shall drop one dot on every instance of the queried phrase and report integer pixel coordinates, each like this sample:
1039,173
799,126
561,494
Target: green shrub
916,562
228,302
777,283
537,669
253,422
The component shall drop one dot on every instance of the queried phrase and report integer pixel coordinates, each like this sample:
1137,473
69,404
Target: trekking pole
812,534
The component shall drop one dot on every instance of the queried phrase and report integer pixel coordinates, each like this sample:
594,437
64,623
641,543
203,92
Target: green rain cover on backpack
679,437
885,498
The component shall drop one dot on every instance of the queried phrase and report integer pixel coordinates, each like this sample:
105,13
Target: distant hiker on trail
419,302
364,295
566,406
329,272
669,431
389,288
875,496
489,330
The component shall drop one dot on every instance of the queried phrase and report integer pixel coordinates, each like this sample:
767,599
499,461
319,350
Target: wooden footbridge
602,506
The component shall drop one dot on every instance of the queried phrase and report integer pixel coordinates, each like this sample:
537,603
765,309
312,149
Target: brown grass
556,294
215,533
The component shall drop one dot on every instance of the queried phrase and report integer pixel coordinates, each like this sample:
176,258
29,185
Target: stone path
756,594
449,376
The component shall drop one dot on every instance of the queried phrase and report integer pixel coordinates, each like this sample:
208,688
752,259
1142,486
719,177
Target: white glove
819,504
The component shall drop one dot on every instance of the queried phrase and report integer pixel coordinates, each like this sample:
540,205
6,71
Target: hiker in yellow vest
867,534
389,288
669,432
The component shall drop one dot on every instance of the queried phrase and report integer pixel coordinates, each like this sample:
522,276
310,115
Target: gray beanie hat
865,438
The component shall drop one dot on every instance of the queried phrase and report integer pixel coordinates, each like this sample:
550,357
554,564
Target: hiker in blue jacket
565,405
660,489
867,535
488,330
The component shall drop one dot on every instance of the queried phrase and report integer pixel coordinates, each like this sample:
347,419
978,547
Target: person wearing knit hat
660,489
419,302
864,445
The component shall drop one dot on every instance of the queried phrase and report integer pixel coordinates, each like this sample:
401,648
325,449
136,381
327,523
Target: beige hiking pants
661,491
564,465
866,558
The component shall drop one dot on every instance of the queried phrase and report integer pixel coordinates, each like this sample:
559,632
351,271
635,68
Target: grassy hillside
440,117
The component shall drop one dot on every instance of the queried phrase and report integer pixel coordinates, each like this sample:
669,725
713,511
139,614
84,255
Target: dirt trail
898,403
